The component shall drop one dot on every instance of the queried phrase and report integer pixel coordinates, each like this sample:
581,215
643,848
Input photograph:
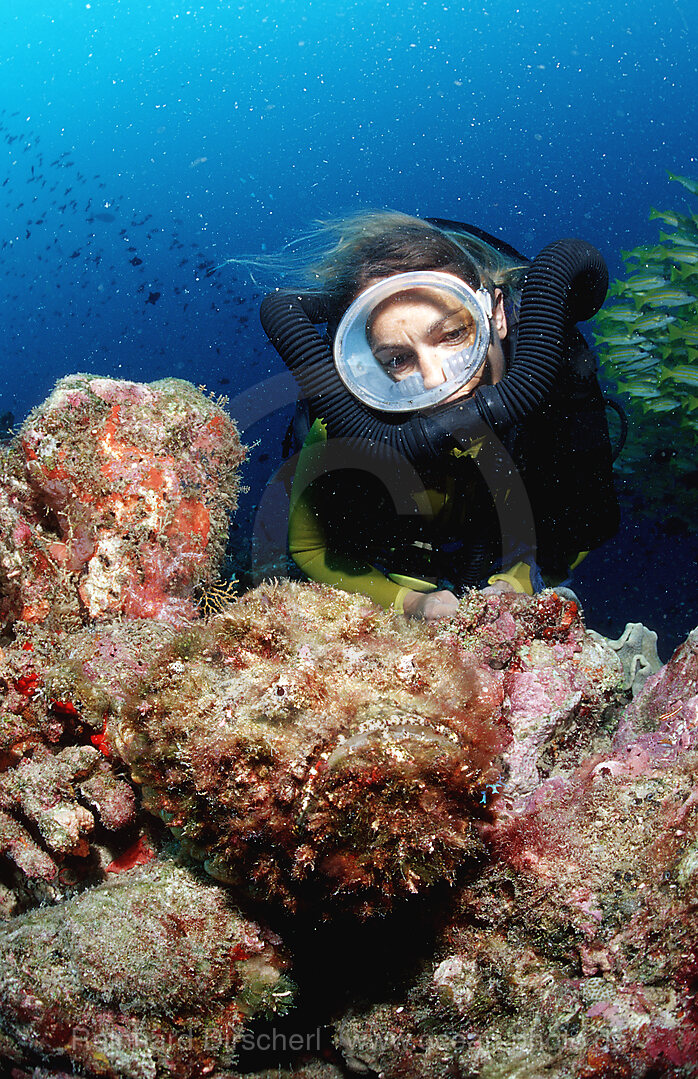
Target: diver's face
415,331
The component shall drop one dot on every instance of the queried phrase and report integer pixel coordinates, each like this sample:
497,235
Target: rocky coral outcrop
114,501
307,746
575,952
153,973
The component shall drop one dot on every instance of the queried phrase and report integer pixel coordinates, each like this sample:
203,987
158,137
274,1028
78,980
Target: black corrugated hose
565,284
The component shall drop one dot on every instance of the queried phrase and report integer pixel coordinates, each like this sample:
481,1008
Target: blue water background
211,129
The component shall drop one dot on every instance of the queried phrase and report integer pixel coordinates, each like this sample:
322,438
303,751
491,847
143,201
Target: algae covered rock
114,501
306,745
67,808
154,973
575,950
559,682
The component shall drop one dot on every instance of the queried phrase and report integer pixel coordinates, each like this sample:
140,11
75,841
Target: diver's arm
517,578
309,550
430,605
308,544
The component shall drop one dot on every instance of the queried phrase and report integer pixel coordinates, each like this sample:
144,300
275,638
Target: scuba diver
456,432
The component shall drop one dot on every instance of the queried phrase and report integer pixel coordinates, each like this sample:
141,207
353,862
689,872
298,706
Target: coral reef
647,339
114,500
396,755
637,650
152,973
480,847
575,951
308,746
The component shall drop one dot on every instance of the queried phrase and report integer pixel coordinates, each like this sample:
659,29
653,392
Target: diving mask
412,340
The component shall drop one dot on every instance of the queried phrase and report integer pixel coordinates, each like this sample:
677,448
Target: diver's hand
430,605
497,588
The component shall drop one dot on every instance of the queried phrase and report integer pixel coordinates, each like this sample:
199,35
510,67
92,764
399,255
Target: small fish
669,216
684,334
667,297
681,239
611,342
627,354
153,297
618,314
638,390
135,261
646,368
690,185
640,283
646,323
688,376
667,404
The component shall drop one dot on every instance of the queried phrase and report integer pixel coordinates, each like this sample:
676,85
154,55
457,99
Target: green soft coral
647,338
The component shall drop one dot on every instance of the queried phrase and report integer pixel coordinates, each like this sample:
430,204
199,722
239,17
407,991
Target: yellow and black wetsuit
344,529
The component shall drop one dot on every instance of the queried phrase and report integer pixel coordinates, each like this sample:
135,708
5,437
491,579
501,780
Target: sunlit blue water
142,141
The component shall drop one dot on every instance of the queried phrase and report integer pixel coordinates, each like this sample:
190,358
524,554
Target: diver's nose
430,369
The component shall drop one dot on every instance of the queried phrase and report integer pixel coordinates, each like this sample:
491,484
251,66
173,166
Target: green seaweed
647,338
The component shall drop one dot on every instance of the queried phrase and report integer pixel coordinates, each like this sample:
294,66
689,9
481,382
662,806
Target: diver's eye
454,335
396,363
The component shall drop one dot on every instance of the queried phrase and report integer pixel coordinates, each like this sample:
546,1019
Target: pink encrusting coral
575,952
309,747
557,680
114,501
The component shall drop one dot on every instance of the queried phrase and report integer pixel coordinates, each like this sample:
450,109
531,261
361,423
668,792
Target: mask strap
485,300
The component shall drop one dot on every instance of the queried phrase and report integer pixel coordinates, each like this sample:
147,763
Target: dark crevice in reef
343,963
